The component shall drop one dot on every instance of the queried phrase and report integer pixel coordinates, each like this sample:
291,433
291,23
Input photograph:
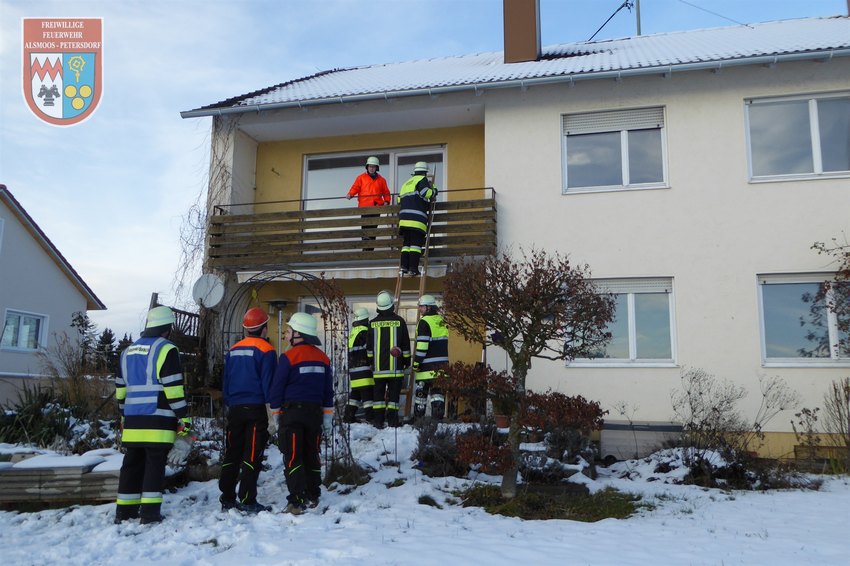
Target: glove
272,419
327,423
415,366
434,194
348,197
179,453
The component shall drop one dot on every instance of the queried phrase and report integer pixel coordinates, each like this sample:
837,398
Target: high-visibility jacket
303,375
432,346
150,392
248,371
359,369
386,331
415,197
369,191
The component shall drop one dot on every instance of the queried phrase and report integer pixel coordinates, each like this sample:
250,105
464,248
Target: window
797,326
622,149
799,137
642,329
22,331
328,177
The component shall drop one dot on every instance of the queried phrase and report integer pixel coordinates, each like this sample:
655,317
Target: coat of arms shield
62,68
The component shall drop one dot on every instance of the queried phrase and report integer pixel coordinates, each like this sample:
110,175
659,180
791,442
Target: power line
712,13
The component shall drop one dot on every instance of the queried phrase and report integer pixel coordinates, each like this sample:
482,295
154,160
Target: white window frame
621,121
814,139
42,331
832,324
630,288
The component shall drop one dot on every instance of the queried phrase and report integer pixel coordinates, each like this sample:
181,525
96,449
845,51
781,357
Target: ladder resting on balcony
310,239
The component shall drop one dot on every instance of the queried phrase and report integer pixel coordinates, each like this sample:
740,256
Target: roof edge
819,55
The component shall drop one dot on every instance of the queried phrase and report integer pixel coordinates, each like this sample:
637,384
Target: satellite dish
208,290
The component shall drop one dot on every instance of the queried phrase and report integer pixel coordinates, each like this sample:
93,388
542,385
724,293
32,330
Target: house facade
39,293
691,171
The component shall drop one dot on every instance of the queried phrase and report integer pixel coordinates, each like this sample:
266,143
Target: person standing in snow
432,355
371,189
249,367
359,370
152,402
302,394
416,196
388,348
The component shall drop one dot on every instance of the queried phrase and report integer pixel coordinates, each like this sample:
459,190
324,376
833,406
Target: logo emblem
63,68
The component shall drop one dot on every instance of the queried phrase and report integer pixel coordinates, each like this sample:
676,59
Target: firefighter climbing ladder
409,389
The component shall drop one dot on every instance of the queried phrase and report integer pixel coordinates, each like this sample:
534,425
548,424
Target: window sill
842,363
14,350
620,364
618,189
803,177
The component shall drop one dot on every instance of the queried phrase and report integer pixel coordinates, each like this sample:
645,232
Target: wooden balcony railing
332,237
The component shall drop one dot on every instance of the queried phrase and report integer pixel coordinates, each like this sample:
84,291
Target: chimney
522,30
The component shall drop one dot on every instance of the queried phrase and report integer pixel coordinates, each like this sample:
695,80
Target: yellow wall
464,157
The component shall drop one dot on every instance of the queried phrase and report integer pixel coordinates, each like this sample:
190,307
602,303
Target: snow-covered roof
763,43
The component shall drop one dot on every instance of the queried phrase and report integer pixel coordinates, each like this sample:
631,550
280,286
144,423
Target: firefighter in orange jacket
249,367
152,402
371,189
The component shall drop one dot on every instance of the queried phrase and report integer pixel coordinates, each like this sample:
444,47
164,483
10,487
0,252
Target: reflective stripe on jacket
303,374
150,392
415,198
359,369
432,346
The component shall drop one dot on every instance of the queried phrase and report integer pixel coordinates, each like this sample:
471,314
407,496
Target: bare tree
537,306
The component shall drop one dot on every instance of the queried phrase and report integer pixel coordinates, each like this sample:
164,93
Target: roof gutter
525,83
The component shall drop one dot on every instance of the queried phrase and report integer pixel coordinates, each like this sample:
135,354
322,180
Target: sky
111,192
382,522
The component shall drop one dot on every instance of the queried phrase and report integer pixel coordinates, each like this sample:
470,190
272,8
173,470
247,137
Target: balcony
307,237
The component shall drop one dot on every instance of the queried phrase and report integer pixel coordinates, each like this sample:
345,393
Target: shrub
484,449
36,418
436,451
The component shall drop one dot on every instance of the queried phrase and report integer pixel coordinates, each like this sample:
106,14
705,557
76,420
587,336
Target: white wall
711,230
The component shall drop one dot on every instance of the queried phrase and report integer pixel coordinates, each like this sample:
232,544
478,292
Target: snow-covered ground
383,522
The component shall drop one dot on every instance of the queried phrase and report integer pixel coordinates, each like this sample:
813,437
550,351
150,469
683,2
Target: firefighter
432,354
388,349
359,370
371,189
415,197
302,394
249,367
152,402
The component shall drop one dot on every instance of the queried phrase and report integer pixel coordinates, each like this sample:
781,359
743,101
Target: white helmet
420,167
384,300
305,324
159,316
427,301
373,161
360,313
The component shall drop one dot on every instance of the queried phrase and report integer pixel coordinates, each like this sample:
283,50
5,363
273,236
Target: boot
348,416
368,414
392,419
378,421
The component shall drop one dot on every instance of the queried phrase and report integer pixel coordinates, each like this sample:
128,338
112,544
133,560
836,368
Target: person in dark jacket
359,370
302,394
249,367
432,355
388,348
152,402
416,196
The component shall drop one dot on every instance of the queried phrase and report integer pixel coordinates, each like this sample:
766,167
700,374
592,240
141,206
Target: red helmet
254,318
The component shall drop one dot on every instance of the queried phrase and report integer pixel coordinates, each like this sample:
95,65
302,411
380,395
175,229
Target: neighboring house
39,292
691,171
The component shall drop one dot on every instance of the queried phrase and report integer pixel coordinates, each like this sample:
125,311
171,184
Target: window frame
832,324
42,331
624,149
631,287
814,138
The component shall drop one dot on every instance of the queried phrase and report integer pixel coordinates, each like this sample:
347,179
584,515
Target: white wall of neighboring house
31,282
711,229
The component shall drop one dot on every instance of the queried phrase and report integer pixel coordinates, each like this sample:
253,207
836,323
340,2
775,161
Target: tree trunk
509,477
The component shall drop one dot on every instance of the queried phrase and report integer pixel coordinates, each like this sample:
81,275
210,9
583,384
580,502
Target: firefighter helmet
373,161
360,313
159,316
254,318
427,301
303,323
384,300
420,167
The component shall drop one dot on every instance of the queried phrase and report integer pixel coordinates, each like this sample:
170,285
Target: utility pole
637,13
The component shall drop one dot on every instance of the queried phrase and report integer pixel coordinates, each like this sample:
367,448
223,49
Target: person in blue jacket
249,368
303,393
